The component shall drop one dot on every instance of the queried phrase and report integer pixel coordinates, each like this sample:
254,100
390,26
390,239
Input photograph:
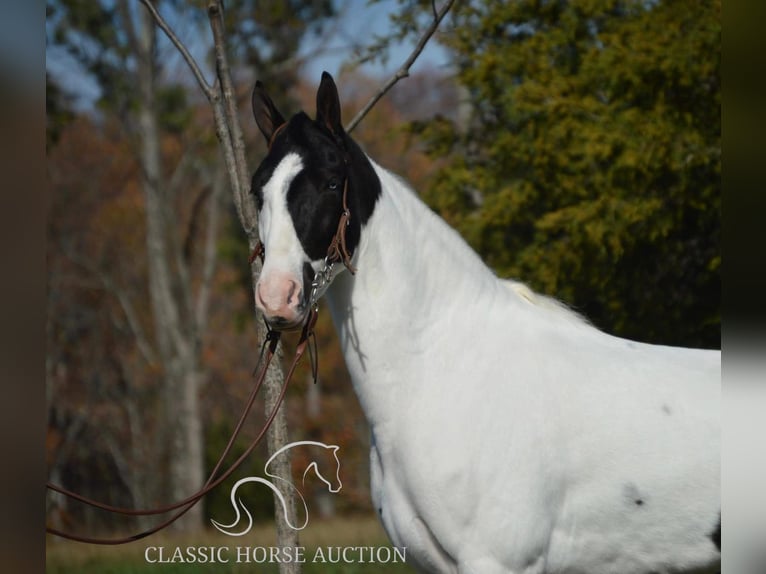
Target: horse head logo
331,479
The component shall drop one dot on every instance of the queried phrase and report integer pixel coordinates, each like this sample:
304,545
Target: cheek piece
337,251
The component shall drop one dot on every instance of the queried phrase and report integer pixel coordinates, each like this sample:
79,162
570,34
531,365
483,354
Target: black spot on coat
632,495
715,536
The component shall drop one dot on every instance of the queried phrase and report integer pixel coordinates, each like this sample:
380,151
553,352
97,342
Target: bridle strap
276,133
338,248
270,344
259,251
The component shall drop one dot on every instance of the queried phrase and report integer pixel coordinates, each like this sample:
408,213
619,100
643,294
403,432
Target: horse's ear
328,105
265,112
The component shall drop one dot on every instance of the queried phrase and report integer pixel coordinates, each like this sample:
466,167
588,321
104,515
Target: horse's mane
523,292
459,249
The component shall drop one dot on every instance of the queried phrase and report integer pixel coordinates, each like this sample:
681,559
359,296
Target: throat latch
338,250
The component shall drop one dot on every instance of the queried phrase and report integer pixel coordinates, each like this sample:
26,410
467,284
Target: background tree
266,38
117,45
579,152
589,164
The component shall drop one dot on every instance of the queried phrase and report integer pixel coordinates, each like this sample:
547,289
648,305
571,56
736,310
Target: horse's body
509,435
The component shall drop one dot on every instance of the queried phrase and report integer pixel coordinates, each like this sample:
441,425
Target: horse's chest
402,519
386,493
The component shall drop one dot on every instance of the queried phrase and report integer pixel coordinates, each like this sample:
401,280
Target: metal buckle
321,279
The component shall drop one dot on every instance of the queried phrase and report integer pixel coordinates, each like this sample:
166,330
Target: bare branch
193,224
404,69
322,47
135,326
163,25
182,168
230,135
246,214
108,284
130,30
222,98
68,442
236,140
209,254
181,280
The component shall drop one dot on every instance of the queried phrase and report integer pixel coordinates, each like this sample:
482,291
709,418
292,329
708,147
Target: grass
65,557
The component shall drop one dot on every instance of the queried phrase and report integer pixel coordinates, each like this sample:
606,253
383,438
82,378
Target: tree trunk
185,440
229,132
175,329
276,438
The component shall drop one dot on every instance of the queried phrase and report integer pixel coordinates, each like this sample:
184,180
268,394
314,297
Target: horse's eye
332,184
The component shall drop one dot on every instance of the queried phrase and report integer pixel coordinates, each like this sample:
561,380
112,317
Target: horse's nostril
279,296
293,294
259,298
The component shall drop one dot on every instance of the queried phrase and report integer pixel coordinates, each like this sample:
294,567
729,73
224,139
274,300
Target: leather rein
336,252
182,507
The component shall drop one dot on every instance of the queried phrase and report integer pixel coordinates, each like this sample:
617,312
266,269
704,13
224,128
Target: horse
333,484
508,435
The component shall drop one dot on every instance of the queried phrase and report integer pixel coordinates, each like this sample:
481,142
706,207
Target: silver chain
321,279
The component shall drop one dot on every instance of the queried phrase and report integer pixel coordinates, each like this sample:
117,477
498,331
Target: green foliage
94,34
590,164
173,109
408,21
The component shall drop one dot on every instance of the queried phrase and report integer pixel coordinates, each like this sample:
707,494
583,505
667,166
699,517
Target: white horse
508,435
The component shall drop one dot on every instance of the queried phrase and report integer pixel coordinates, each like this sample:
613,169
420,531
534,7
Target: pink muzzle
280,298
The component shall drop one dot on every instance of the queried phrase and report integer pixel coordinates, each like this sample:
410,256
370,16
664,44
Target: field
65,557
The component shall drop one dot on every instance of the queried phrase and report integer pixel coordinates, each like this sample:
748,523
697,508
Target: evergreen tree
589,165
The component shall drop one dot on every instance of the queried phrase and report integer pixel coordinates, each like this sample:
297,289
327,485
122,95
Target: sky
358,24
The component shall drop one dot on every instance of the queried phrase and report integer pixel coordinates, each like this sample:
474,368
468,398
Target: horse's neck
414,272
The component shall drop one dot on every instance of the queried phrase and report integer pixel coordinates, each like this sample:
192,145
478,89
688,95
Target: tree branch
236,139
202,303
130,30
106,282
230,135
404,69
182,168
223,102
163,25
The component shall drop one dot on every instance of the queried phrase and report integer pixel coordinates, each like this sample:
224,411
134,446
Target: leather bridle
337,251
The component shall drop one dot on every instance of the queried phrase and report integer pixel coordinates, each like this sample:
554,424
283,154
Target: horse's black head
298,189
